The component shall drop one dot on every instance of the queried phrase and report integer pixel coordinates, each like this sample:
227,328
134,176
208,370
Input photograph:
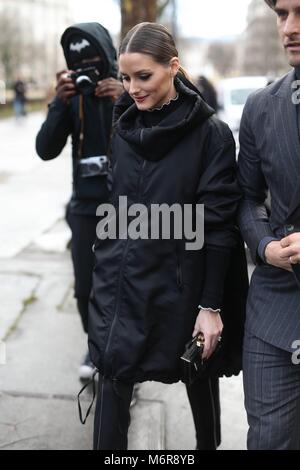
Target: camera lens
85,85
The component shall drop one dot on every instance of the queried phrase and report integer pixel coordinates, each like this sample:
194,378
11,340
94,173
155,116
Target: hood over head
87,40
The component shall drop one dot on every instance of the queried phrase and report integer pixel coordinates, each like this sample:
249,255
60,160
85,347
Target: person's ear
174,65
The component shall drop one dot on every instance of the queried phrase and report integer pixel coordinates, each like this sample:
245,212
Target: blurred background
215,39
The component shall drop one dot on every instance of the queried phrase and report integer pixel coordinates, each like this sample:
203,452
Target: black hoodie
63,120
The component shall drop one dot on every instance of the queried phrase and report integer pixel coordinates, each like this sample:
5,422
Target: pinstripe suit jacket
269,160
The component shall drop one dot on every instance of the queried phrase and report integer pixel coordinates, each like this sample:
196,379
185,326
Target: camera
85,80
93,166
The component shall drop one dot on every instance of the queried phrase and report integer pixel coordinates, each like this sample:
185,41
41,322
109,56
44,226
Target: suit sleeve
253,215
54,133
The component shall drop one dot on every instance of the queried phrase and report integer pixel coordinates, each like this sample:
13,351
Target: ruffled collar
163,105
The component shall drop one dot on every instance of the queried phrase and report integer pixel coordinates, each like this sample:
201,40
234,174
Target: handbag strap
83,421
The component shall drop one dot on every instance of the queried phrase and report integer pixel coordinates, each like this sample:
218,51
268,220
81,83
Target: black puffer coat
146,292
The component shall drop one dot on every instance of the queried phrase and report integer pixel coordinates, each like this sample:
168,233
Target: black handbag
193,367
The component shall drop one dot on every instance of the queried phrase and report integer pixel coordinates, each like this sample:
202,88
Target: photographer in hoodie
82,108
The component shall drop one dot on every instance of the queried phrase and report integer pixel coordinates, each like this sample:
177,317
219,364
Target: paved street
41,329
32,192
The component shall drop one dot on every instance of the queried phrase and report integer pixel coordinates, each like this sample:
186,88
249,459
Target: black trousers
204,399
83,237
112,416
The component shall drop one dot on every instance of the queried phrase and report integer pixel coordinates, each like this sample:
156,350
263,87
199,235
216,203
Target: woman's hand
210,324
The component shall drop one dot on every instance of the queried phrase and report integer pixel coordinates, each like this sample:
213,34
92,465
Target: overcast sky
204,18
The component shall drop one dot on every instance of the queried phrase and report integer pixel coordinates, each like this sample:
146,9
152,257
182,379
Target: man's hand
291,248
110,87
276,256
210,324
65,88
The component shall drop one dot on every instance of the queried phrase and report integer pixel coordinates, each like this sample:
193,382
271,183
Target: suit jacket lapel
285,116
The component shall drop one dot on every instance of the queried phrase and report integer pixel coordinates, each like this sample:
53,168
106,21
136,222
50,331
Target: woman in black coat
152,293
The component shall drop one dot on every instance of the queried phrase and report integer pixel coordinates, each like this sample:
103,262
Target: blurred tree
10,45
136,11
18,49
262,53
222,56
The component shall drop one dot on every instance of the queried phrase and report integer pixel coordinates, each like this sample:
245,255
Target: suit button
290,228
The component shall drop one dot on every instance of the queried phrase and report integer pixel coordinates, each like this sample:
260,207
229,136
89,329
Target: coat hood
100,38
153,143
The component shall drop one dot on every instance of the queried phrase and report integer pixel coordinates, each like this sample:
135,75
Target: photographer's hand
110,87
210,324
65,88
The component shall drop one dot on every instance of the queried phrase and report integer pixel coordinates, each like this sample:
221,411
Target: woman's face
149,83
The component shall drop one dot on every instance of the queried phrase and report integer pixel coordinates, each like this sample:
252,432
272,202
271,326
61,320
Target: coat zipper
121,269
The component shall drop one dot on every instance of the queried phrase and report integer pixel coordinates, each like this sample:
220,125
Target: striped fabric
272,394
269,163
270,160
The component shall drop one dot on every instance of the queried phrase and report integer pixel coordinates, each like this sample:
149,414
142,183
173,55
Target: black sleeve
216,266
54,133
219,192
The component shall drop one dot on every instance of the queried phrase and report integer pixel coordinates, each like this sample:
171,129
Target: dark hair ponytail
271,3
152,39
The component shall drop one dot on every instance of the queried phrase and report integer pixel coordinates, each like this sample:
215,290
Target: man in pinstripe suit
269,160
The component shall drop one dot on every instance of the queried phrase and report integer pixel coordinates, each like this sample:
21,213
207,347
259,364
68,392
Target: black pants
205,404
83,237
112,416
